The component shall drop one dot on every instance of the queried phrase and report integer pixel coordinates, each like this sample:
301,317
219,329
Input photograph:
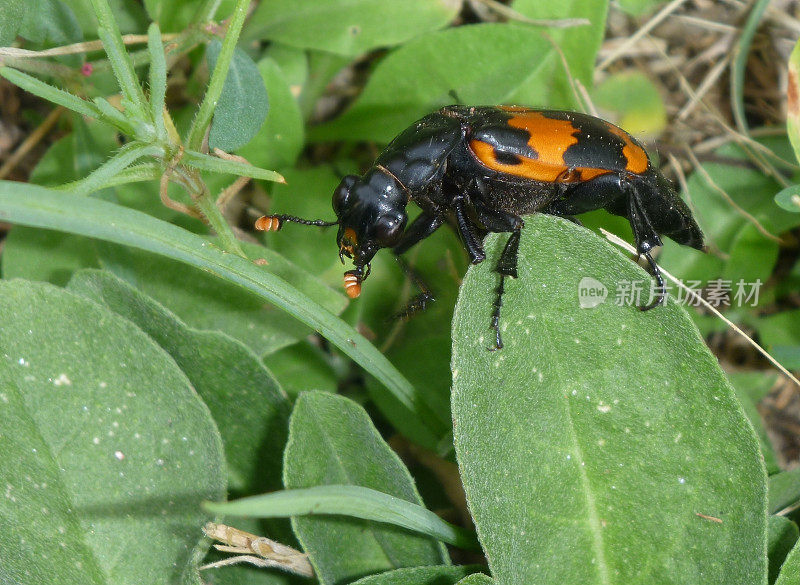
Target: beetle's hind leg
506,266
646,239
661,294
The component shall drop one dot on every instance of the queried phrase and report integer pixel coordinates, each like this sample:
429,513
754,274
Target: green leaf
780,328
579,45
243,103
215,164
752,256
567,436
158,79
348,27
253,437
333,441
784,490
40,207
633,102
105,449
219,74
53,256
787,355
11,15
783,534
45,255
790,571
789,199
302,367
121,62
49,23
482,64
353,502
50,93
281,138
751,388
441,575
226,307
105,173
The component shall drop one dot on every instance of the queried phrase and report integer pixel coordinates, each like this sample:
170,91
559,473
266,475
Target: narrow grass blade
348,500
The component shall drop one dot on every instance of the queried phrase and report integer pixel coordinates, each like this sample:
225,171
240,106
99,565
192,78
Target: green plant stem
208,207
217,81
114,46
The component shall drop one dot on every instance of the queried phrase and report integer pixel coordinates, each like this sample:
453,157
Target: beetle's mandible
481,169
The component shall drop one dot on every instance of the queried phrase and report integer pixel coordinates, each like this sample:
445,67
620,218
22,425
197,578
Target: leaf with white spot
602,444
106,451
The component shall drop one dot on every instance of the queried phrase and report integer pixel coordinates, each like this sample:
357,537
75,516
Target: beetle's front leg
418,302
471,242
419,229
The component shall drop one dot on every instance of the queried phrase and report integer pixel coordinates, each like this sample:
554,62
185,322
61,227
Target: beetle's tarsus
506,266
495,324
419,302
661,296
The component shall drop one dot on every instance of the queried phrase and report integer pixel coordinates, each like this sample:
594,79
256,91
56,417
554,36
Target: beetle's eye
388,229
342,193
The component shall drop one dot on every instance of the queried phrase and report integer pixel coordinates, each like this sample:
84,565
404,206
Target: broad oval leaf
333,441
348,27
227,375
603,444
243,104
280,140
106,451
481,64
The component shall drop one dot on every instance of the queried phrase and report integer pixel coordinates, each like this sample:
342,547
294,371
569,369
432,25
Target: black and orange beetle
481,169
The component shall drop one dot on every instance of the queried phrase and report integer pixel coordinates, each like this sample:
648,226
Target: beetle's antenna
272,223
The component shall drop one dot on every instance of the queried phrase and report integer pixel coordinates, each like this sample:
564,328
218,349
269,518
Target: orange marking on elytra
633,153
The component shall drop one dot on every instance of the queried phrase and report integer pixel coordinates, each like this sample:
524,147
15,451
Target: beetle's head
372,215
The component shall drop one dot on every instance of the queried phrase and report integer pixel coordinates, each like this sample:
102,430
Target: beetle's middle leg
419,229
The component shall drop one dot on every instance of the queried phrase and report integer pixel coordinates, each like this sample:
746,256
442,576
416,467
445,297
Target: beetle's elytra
481,169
